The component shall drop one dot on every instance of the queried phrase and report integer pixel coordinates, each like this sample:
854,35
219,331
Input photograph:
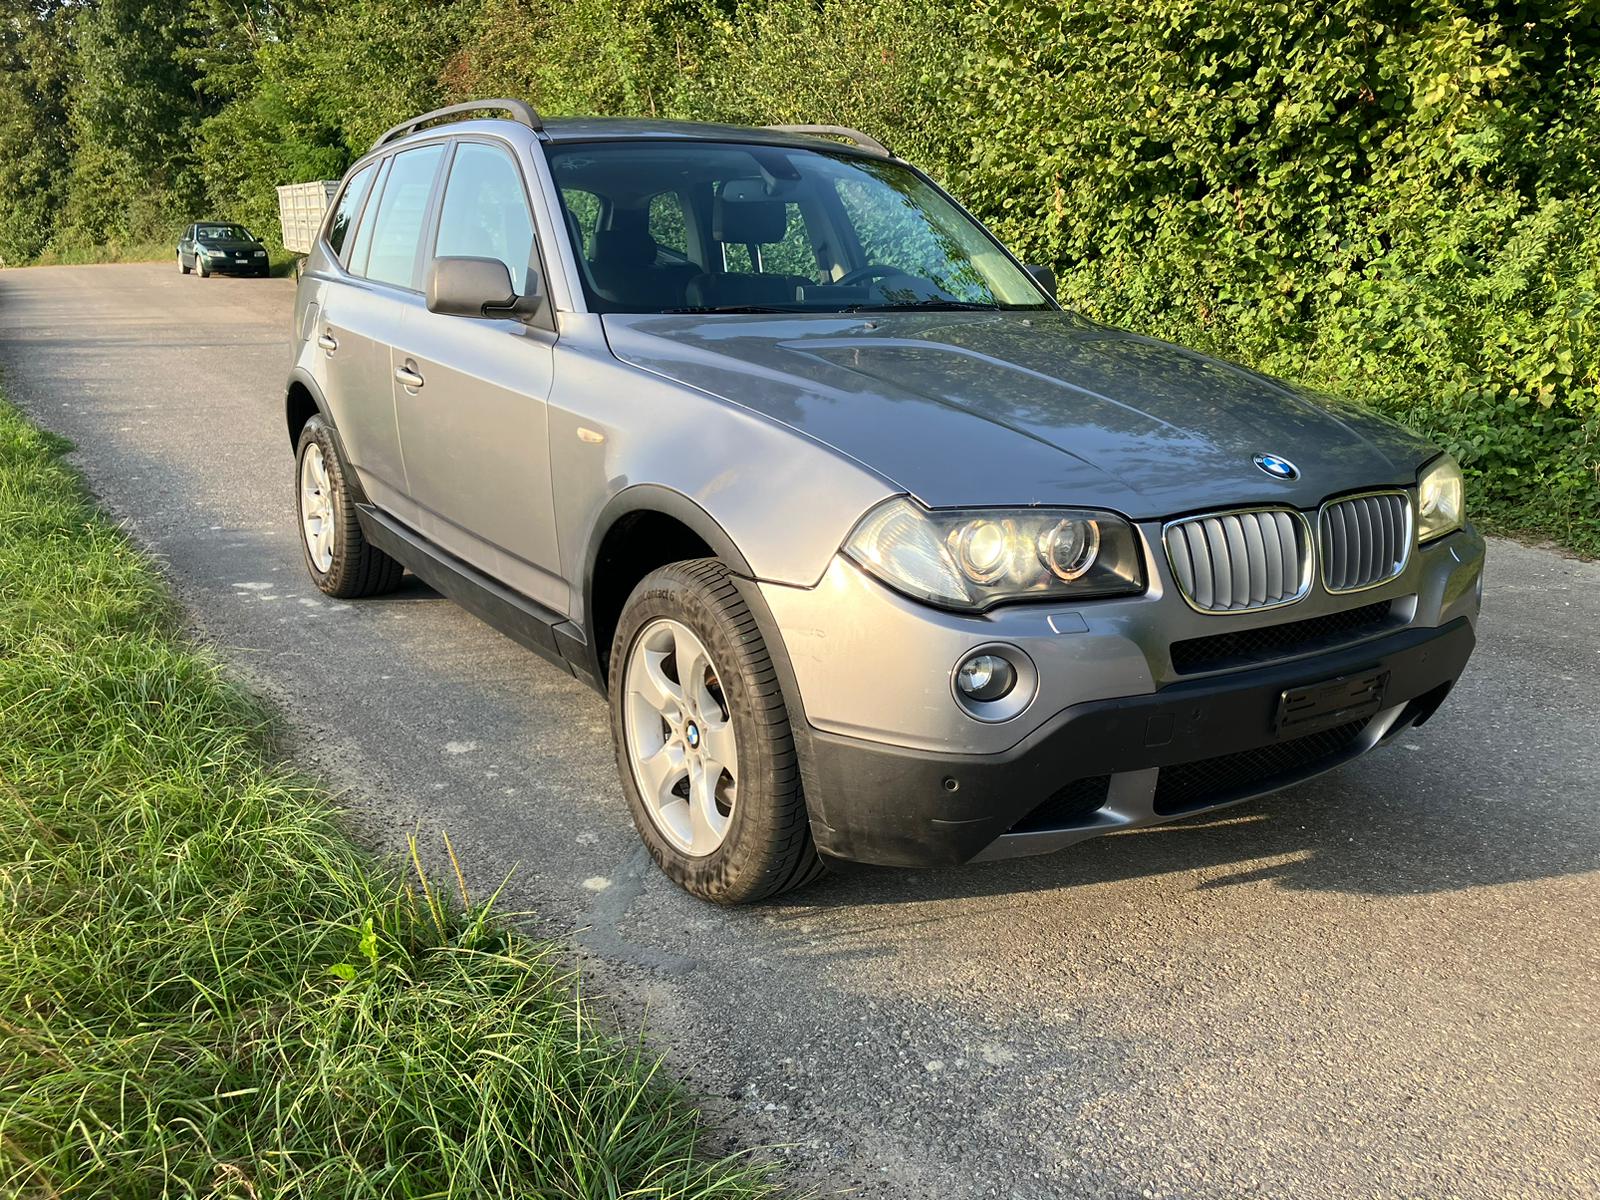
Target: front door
470,395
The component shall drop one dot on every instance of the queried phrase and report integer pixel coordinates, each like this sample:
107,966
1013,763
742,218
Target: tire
765,842
346,565
181,267
200,267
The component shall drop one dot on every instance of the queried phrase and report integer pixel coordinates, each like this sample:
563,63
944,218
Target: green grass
133,252
106,252
206,989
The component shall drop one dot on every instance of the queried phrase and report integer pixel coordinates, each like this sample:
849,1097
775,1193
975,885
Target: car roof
629,129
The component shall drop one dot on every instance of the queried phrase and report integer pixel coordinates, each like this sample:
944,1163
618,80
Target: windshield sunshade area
715,227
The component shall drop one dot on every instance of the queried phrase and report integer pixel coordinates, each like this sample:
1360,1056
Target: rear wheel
341,560
703,740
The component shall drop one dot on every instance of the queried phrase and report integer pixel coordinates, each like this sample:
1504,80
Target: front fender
655,498
773,500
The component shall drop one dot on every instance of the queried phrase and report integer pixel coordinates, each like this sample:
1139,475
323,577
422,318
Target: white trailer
300,209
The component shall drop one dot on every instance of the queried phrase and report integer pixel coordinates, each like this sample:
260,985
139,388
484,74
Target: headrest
625,248
743,214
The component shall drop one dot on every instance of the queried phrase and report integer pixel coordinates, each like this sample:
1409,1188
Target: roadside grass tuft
115,250
207,990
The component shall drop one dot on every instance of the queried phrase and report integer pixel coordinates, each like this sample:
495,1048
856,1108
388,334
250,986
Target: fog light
986,677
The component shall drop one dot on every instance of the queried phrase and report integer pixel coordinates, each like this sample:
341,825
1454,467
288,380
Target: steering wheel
870,271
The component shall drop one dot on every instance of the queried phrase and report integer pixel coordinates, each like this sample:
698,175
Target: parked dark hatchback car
220,247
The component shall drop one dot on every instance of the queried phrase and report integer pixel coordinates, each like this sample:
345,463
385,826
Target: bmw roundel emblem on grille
1278,468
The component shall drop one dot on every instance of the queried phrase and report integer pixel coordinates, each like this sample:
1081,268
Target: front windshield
222,233
710,227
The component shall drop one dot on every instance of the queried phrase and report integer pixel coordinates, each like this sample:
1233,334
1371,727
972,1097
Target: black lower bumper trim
895,806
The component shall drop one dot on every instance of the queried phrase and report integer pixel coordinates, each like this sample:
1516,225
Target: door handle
408,375
328,342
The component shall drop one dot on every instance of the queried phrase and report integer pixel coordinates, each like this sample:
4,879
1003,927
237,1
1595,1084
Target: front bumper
1115,764
869,676
230,266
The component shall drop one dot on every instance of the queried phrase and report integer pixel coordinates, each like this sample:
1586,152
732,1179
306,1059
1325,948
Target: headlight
1441,499
974,558
261,253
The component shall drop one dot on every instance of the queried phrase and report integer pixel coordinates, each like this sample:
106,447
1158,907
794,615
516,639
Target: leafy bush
1397,202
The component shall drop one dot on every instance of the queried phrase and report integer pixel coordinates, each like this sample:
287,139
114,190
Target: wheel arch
302,400
638,512
641,528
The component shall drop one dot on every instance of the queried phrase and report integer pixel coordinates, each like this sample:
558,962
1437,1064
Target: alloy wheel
680,737
316,508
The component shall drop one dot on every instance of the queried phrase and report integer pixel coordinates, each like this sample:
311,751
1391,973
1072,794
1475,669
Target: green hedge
1399,202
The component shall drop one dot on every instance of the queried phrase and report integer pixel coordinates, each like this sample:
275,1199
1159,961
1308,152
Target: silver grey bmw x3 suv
878,554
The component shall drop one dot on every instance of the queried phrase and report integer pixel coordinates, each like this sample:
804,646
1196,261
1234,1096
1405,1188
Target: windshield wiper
733,308
926,306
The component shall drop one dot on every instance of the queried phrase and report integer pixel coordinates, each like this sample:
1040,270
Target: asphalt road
1385,983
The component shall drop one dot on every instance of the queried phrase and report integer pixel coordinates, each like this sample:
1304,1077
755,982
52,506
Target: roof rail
523,114
841,131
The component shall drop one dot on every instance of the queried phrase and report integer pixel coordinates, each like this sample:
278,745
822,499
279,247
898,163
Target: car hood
1026,408
229,246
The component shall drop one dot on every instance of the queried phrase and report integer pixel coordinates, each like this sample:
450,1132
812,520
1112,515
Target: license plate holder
1339,701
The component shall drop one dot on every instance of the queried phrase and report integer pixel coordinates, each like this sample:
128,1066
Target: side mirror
1044,277
479,287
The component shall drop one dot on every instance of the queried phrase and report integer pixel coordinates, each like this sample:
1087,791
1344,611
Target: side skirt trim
522,620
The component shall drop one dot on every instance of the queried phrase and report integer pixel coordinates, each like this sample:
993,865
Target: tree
134,111
35,61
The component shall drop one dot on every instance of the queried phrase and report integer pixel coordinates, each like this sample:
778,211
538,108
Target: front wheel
181,266
703,740
341,560
200,267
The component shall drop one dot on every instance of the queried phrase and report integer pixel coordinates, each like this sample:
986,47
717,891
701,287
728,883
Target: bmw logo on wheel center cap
1278,468
692,736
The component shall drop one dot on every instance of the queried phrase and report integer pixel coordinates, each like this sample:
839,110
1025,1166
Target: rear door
363,312
474,434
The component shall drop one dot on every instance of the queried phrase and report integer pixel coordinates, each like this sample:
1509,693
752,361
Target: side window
485,213
583,210
397,230
668,226
344,216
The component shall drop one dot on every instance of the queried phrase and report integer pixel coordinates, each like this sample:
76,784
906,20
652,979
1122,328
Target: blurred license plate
1333,702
